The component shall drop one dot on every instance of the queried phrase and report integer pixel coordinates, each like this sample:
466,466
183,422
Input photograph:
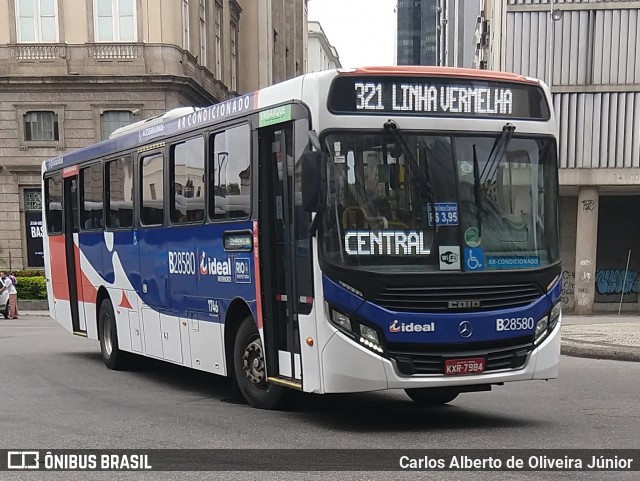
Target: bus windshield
440,202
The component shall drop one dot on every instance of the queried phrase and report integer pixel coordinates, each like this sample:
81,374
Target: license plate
455,367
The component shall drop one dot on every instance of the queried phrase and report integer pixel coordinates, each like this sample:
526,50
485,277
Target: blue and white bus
344,231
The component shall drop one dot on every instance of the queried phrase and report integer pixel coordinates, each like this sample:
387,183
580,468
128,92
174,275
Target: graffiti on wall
611,281
568,287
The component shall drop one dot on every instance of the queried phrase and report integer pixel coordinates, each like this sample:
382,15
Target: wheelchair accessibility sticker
474,258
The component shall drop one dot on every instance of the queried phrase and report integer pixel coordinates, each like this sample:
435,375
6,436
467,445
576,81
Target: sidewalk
602,336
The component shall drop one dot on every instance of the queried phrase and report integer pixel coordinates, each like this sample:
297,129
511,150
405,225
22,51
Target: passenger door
285,262
72,254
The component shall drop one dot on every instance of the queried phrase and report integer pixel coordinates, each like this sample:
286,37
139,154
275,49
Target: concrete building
322,55
588,52
273,42
456,32
72,71
417,32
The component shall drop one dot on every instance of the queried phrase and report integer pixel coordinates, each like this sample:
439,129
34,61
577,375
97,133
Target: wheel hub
106,335
253,362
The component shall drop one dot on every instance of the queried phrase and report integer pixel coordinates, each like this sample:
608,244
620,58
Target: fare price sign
437,97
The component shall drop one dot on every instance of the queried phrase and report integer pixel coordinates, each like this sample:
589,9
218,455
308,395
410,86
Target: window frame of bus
81,183
140,204
47,179
172,172
211,171
107,192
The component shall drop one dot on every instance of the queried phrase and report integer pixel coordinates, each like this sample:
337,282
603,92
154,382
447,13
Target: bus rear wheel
249,363
112,356
432,396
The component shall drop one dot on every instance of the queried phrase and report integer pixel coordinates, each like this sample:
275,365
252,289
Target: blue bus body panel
441,328
179,271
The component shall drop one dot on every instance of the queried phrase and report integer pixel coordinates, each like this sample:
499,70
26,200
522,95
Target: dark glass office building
417,23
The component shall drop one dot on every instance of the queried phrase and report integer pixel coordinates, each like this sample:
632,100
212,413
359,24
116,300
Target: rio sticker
472,237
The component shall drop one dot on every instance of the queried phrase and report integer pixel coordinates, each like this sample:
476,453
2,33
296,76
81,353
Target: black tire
249,369
432,396
112,356
5,313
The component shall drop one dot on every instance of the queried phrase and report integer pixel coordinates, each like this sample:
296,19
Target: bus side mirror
313,181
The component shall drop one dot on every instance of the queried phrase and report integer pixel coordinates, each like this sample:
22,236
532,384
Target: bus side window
186,181
119,194
53,193
91,185
230,168
151,190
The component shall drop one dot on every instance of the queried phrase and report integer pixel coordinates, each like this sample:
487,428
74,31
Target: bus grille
436,299
429,359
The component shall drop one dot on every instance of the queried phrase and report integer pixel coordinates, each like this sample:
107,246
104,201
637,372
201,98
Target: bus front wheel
250,369
432,396
112,356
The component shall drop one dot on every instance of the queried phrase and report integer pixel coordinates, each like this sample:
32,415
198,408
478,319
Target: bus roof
450,72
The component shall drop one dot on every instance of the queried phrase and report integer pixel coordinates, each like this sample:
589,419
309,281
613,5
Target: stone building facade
72,71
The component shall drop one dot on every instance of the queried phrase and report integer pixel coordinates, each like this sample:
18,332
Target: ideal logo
214,267
242,271
397,326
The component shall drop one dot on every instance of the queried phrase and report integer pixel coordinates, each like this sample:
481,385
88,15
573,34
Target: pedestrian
7,285
14,281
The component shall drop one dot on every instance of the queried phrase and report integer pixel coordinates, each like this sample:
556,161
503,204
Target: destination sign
437,97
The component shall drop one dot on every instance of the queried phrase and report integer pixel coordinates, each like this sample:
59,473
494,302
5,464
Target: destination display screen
444,97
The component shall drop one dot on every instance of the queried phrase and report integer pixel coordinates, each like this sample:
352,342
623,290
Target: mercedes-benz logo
465,329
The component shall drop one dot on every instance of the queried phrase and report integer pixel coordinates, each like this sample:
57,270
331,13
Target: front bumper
349,367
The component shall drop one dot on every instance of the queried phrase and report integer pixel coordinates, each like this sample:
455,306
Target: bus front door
72,254
284,254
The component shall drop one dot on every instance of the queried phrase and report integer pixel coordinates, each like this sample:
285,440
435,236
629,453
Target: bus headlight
341,320
541,329
555,315
369,337
547,323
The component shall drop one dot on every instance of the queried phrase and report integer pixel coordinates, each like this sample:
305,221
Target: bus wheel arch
246,363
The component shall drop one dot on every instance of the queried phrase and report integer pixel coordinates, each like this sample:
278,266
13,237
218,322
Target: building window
115,20
91,190
218,41
185,24
112,120
37,20
152,175
234,56
41,126
186,179
231,174
119,196
203,34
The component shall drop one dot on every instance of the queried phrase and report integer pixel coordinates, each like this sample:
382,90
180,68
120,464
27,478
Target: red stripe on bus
59,277
256,270
86,290
124,303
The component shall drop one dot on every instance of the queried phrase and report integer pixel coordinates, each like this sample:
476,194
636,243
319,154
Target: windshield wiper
476,191
497,151
424,184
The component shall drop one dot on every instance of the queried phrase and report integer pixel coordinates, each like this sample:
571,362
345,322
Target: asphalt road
55,393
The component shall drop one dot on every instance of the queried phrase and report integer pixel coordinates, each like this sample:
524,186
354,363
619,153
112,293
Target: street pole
624,281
